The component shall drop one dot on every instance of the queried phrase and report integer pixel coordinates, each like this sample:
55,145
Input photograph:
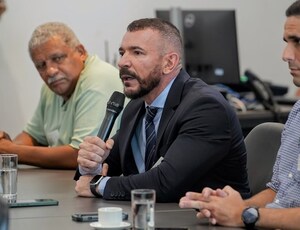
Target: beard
145,85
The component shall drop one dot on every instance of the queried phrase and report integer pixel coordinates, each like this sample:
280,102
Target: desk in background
59,184
252,118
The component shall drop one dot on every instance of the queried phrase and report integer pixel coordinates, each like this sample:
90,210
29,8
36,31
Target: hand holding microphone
87,158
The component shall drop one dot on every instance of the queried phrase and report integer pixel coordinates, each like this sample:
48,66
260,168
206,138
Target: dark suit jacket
199,137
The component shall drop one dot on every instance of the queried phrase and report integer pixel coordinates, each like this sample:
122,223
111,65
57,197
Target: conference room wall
101,24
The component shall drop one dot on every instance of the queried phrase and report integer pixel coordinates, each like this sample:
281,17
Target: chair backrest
262,144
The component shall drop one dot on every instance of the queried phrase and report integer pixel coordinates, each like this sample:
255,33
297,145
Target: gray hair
49,30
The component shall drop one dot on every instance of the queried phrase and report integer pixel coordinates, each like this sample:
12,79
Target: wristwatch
94,184
250,216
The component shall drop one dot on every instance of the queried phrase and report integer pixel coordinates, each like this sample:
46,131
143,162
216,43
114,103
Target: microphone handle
107,125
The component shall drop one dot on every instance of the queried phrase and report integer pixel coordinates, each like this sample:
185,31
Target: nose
51,69
124,61
288,54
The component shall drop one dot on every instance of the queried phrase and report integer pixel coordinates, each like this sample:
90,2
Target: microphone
113,109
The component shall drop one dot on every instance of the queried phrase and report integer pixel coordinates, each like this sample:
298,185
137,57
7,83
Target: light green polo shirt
55,123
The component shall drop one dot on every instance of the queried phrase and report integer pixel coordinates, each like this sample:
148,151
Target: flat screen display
210,44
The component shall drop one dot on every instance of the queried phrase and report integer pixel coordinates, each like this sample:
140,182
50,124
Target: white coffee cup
110,216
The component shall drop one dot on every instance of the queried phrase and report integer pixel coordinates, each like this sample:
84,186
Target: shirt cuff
84,171
102,185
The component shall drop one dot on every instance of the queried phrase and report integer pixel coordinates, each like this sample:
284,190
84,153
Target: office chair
262,144
3,215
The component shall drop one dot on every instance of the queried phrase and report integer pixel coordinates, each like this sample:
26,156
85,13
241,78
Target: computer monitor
210,44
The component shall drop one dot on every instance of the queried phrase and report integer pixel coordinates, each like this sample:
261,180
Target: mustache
125,71
50,80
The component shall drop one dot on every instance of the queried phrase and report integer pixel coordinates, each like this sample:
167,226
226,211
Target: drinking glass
8,177
142,208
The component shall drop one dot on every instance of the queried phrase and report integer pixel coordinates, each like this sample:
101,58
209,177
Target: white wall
259,22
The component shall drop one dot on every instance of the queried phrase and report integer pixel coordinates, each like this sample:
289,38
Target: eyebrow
291,37
135,47
131,48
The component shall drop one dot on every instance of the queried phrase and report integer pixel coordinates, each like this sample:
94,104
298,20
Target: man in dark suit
197,133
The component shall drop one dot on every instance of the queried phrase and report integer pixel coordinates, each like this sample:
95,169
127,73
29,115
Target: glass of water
8,177
142,208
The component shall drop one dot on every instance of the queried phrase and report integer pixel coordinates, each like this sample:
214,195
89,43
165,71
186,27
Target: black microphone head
116,102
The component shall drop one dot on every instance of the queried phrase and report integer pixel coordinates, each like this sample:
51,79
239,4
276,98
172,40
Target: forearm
30,152
61,157
262,198
25,139
288,218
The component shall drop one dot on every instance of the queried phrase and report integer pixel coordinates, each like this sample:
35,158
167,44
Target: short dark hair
168,31
293,10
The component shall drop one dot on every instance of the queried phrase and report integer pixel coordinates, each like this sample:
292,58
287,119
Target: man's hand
92,152
220,206
82,187
5,142
4,135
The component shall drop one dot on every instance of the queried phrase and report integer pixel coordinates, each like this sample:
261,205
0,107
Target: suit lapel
172,102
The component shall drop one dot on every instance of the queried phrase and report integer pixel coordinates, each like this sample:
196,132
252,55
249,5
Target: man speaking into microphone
177,134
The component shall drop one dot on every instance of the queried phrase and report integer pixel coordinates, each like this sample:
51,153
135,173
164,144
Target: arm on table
29,152
226,209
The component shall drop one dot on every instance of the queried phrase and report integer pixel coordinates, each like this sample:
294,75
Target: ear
81,50
170,62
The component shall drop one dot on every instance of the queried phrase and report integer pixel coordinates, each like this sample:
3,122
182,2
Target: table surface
36,183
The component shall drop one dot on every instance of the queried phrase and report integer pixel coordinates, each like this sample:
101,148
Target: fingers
231,192
204,213
88,160
93,140
196,204
183,199
104,169
202,202
4,135
194,195
91,144
204,196
82,187
92,152
109,144
213,221
228,189
221,193
207,192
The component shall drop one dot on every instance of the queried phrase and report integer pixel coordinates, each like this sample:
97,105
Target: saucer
98,225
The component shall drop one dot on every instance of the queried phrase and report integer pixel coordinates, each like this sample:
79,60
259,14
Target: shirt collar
159,102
